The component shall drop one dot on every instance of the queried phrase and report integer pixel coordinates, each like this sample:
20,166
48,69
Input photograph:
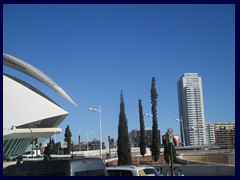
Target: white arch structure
27,112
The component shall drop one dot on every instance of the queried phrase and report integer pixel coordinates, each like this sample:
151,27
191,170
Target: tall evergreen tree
142,130
68,136
155,135
53,147
47,150
123,144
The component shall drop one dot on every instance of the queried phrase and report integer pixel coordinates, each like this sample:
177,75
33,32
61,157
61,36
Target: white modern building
210,133
191,109
27,112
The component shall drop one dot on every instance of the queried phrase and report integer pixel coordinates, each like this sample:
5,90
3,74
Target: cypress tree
123,144
47,150
155,135
142,130
68,136
53,147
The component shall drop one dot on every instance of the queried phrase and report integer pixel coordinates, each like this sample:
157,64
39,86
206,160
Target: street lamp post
100,126
183,136
88,132
149,115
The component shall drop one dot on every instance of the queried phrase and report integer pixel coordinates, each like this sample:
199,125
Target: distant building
220,134
92,145
191,109
134,137
225,134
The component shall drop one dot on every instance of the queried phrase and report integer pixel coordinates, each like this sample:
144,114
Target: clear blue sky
95,51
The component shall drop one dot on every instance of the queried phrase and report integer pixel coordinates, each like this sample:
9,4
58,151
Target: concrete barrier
225,159
208,170
198,170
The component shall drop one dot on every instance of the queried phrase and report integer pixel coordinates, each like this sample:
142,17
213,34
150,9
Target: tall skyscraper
191,109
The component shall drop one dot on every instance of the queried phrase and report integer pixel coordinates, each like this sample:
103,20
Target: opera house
27,112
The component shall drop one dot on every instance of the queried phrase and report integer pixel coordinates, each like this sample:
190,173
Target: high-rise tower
191,109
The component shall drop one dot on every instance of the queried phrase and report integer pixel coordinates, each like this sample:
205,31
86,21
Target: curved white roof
28,69
31,112
23,105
